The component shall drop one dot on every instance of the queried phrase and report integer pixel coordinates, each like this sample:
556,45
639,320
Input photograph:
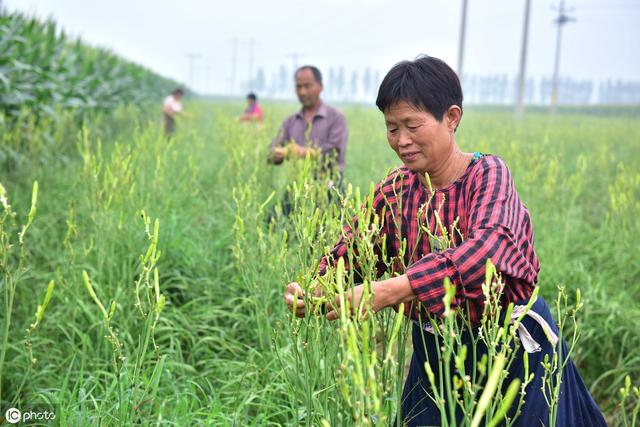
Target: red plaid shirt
493,221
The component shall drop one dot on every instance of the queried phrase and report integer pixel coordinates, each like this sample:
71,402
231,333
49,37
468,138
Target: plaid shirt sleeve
499,229
340,248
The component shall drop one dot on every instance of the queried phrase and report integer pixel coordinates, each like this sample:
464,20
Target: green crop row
43,70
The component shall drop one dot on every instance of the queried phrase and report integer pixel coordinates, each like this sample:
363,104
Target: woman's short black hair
316,73
252,96
426,83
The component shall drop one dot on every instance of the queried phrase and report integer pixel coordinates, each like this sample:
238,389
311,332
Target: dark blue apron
576,407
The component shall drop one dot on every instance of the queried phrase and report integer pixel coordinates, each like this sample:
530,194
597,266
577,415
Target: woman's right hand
290,293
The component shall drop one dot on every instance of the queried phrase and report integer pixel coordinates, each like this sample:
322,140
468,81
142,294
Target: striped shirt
492,222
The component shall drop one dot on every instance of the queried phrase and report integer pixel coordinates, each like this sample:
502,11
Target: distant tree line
339,84
362,86
500,89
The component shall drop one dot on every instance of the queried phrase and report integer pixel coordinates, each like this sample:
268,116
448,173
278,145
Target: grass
222,351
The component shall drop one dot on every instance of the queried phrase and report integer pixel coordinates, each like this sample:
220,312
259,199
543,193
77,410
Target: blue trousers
576,407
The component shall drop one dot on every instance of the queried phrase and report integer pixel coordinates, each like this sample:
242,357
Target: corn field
42,70
142,277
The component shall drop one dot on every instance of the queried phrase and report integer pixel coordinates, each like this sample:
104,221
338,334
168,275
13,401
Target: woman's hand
386,293
354,296
290,293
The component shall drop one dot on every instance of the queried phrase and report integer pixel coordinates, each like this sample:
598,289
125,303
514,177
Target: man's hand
313,152
300,151
295,150
277,154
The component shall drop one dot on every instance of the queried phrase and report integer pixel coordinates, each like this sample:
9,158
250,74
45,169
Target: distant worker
316,126
172,107
253,112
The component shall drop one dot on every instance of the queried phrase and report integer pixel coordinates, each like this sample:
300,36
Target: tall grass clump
12,264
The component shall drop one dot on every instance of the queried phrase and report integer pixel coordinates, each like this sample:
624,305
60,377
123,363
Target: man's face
307,88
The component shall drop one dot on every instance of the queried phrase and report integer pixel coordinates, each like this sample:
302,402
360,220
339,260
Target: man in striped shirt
422,105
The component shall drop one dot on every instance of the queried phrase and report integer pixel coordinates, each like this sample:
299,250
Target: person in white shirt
171,107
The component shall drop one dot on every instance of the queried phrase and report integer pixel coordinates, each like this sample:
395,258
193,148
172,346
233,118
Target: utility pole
463,25
252,42
192,65
561,20
523,62
207,78
234,60
294,58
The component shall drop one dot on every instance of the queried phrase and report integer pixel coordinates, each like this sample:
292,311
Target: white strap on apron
530,345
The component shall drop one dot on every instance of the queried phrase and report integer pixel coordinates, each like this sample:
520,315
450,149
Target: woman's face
420,141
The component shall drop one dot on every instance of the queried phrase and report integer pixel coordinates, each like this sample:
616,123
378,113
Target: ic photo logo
12,415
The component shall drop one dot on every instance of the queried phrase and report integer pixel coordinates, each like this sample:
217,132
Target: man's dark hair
426,83
252,96
178,91
316,73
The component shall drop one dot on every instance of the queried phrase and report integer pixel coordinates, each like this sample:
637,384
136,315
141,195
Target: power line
234,60
207,78
610,4
252,43
192,64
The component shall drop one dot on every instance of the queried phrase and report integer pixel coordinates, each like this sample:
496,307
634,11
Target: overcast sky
602,43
